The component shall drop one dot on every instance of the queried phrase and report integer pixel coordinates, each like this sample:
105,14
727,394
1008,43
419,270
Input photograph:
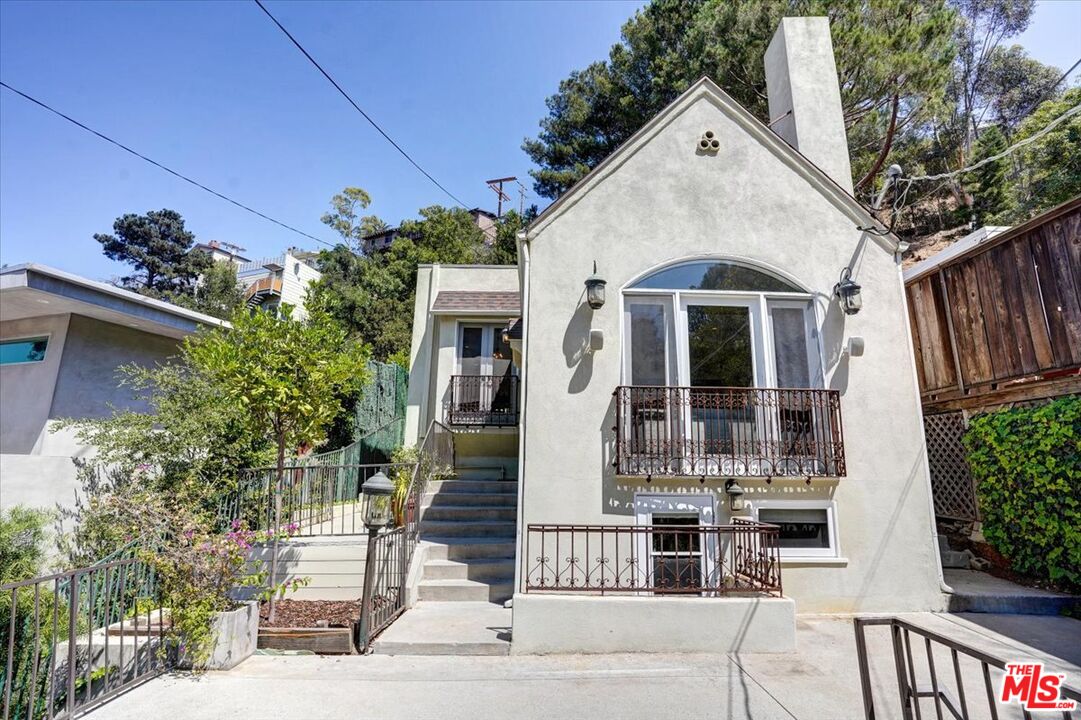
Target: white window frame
830,506
47,337
647,503
759,303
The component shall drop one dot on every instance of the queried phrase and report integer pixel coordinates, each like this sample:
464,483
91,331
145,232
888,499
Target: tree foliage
373,296
1050,167
159,248
344,217
893,57
218,292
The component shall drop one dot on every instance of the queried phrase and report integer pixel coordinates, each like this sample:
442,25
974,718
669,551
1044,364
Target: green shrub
1027,466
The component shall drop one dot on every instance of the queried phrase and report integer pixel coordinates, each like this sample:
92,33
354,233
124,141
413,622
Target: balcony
483,401
703,560
728,432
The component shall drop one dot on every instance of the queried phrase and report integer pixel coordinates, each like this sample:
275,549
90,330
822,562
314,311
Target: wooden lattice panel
951,483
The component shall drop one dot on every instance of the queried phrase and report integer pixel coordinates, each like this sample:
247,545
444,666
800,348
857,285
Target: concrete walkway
820,680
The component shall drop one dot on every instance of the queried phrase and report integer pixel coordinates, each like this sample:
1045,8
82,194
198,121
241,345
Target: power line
356,107
157,164
1016,146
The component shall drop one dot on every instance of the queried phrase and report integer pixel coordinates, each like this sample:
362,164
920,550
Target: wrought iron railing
951,676
728,432
316,499
393,550
706,560
483,400
74,639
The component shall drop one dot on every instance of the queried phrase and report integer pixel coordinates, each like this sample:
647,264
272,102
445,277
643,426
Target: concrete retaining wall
554,624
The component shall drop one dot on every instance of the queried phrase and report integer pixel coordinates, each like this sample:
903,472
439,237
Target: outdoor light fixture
376,494
735,495
847,292
595,289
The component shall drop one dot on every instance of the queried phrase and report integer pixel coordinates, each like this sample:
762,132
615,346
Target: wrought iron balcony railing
483,400
728,432
706,560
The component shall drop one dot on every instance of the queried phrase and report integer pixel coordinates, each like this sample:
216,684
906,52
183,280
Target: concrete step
483,528
464,591
480,472
455,485
956,558
469,548
978,592
459,628
469,513
490,499
481,569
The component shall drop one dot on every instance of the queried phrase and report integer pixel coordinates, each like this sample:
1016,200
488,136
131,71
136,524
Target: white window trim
704,503
833,552
47,337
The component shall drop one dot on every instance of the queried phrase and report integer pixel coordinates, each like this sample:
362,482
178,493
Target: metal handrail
954,700
483,400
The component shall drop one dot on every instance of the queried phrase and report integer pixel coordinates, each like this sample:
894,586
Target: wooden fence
1004,319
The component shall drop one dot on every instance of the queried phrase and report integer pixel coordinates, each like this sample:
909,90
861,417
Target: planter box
236,634
320,640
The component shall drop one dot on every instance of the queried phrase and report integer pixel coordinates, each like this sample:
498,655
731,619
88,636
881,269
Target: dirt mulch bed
311,613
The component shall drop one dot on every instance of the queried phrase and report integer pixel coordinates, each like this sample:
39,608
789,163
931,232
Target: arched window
715,275
719,323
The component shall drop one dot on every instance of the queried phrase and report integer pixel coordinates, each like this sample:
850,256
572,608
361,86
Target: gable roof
707,89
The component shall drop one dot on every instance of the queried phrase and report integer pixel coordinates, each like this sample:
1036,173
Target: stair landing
448,628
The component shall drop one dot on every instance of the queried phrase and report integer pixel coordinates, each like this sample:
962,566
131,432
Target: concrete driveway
818,681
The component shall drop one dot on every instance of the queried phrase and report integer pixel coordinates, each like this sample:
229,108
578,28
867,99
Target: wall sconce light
847,292
735,496
595,289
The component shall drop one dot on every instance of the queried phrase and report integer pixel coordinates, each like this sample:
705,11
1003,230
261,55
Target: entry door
484,361
722,348
672,556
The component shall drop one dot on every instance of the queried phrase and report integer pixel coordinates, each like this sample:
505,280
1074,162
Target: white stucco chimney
801,77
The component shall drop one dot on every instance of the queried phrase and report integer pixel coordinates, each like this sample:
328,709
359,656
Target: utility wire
157,164
1016,146
356,107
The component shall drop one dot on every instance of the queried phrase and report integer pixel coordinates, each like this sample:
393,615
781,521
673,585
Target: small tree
159,248
289,375
345,221
218,293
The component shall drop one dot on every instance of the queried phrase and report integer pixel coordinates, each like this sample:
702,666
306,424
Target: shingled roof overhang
471,302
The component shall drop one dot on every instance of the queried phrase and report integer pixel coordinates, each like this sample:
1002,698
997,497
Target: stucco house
62,338
726,437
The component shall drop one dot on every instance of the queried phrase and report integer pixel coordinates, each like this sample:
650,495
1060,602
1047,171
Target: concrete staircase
470,521
468,526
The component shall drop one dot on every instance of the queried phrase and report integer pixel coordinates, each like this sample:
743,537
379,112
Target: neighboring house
996,320
222,251
486,221
62,338
269,282
719,422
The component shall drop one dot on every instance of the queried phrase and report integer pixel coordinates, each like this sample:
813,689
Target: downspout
523,407
942,586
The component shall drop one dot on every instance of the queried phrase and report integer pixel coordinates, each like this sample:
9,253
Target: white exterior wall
660,201
296,276
433,353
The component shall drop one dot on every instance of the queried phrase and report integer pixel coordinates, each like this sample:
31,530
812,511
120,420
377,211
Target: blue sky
214,90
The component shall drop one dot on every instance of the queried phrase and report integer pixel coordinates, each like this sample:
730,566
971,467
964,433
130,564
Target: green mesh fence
379,423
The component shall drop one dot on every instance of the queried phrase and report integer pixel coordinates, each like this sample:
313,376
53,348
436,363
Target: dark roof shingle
477,301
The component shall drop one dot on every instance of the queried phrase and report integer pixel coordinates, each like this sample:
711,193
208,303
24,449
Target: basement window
808,529
23,350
